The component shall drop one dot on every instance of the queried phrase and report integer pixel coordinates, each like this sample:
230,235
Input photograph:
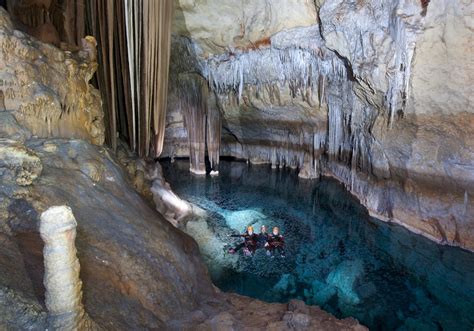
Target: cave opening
337,256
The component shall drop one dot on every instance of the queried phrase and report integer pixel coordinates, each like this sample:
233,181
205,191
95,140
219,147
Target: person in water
262,237
275,243
249,245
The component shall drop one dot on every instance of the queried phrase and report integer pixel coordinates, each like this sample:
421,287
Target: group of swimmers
273,243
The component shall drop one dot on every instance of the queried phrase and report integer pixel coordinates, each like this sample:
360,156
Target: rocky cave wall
138,270
61,103
375,93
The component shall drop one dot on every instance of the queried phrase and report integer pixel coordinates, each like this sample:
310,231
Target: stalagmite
61,279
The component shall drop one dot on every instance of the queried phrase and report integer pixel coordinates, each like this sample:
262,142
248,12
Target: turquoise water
338,257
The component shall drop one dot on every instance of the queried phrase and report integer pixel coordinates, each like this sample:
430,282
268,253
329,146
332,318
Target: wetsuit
250,242
262,239
276,243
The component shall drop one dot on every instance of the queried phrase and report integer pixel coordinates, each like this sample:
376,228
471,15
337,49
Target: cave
144,145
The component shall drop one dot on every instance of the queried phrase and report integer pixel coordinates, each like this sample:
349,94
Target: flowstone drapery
133,40
202,121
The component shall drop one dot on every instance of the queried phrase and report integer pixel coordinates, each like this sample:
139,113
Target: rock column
61,278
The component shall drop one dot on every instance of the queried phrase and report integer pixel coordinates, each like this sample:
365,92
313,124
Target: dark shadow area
31,248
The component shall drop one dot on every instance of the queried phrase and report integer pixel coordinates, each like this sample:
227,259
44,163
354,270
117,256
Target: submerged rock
286,285
239,220
345,279
322,293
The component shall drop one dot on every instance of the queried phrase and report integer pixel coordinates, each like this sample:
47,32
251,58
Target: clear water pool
338,257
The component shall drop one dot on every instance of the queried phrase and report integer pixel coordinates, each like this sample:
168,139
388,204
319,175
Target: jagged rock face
48,90
376,94
422,160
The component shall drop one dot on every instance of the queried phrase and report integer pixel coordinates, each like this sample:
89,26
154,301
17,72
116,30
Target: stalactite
110,14
302,68
100,25
335,127
321,89
134,46
213,136
403,29
202,120
193,94
133,32
124,88
68,17
341,105
165,10
133,38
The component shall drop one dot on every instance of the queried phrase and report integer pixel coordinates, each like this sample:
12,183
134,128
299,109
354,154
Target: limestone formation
148,179
158,276
219,25
375,93
61,280
46,89
134,46
18,163
202,121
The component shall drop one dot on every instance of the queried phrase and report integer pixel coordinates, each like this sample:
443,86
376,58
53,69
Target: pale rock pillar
61,278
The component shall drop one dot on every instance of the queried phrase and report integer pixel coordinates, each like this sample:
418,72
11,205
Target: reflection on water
338,257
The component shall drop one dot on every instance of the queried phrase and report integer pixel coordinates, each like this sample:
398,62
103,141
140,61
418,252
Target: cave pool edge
338,257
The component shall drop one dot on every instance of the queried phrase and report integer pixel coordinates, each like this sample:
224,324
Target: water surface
338,257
